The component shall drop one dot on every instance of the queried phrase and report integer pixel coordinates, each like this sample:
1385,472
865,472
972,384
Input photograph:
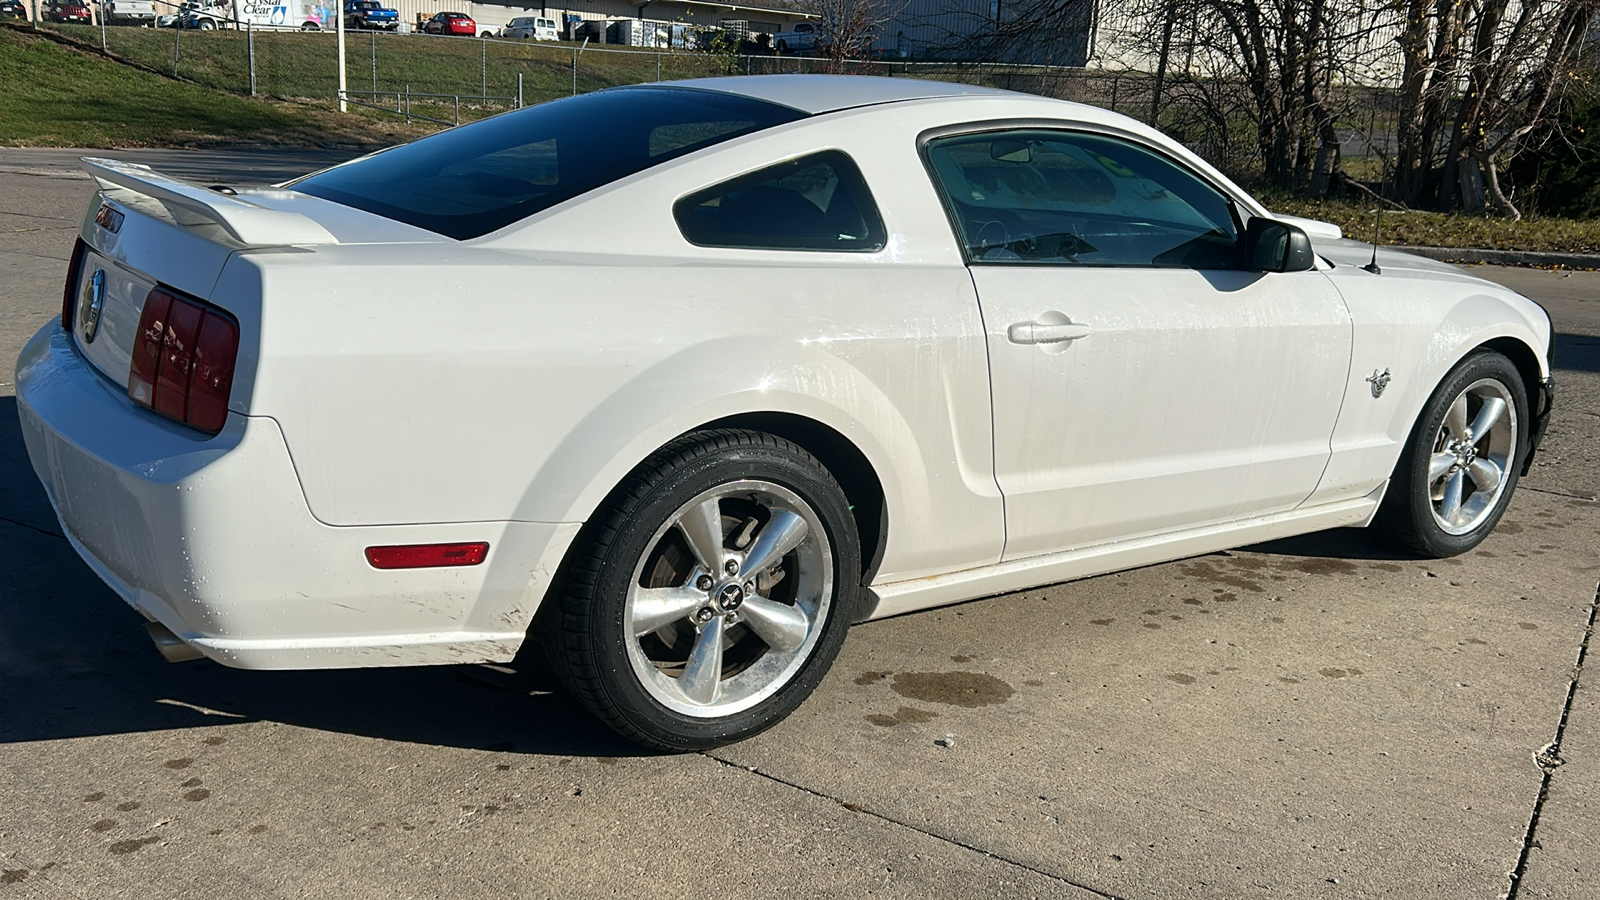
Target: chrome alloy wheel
1472,456
729,600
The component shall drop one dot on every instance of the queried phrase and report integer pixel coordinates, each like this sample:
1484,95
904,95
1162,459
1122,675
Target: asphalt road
1311,718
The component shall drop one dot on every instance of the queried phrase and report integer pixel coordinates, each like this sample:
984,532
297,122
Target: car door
1143,381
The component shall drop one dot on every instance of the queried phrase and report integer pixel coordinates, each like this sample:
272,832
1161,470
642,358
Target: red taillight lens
427,556
69,294
183,360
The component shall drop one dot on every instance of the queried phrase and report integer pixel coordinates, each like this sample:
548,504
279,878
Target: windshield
478,178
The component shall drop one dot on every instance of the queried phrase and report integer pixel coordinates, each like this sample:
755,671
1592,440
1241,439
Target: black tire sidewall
687,470
1411,512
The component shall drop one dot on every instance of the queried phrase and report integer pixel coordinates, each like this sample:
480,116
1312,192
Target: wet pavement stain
1387,567
128,806
872,677
1033,682
122,848
1205,571
961,659
1181,678
102,826
1479,641
12,876
1191,601
257,829
1527,626
1508,527
966,689
1152,625
1101,621
95,797
178,763
1288,679
1338,673
196,795
214,741
193,782
1324,566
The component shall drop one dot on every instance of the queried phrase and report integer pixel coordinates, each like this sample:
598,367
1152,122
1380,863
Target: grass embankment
1430,229
58,97
304,65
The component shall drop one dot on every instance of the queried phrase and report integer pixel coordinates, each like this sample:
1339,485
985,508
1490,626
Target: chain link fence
449,80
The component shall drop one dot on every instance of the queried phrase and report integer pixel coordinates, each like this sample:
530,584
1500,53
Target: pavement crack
54,534
1548,757
1523,487
869,811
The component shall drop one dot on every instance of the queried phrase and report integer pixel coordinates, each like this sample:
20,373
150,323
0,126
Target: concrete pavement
1311,718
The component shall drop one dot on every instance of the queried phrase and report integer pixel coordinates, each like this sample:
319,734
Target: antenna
1377,231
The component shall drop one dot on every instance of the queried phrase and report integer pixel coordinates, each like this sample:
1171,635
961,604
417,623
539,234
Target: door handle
1046,333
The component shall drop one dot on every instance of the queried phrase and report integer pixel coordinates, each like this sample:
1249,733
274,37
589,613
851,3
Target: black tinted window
1032,196
471,180
817,202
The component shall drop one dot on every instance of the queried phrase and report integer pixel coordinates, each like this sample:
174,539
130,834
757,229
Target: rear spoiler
191,204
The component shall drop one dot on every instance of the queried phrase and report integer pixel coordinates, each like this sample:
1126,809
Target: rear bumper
212,538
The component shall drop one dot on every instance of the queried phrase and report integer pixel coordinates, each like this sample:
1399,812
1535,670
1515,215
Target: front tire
710,593
1460,466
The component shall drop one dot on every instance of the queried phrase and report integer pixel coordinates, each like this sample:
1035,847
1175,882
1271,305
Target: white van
534,28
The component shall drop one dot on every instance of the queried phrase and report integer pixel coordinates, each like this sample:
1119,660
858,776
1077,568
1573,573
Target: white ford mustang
682,379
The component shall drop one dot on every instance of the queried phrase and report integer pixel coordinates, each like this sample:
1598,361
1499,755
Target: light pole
338,11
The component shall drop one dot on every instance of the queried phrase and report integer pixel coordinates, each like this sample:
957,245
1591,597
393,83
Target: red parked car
75,13
451,23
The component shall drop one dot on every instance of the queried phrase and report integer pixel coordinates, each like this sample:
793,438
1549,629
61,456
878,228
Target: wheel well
847,464
1527,365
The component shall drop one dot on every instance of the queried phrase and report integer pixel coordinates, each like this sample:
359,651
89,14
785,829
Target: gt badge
1378,382
96,301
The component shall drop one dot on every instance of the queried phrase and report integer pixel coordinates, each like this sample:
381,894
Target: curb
1529,258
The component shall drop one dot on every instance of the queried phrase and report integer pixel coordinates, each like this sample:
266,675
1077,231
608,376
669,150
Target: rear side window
817,202
478,178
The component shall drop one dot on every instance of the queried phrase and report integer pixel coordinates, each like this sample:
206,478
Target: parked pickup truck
131,12
802,38
370,14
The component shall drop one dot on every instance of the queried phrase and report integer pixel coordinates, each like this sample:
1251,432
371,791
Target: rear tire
709,595
1460,466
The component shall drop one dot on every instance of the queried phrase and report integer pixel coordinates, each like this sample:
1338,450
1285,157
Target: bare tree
1482,80
848,30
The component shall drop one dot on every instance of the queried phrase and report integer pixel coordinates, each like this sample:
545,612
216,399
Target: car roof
828,93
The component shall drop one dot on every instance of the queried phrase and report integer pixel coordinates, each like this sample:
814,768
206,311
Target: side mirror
1273,246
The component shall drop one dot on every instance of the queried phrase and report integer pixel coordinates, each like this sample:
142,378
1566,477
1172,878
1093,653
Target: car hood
1345,252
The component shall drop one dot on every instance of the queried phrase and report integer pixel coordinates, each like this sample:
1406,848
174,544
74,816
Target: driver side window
1032,196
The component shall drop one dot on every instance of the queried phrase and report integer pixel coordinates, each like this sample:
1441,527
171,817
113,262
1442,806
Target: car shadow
1575,353
1338,543
75,661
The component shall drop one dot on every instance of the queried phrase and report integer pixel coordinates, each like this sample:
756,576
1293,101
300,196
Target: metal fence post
177,39
408,104
458,109
483,54
250,49
374,62
658,63
575,71
101,15
519,90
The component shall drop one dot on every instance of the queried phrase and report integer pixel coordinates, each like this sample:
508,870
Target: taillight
183,360
69,294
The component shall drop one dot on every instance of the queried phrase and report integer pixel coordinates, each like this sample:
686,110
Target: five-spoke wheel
1458,470
710,594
